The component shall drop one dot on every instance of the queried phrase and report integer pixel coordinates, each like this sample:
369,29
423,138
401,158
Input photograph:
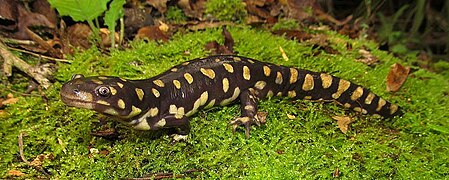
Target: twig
18,41
40,55
12,60
39,168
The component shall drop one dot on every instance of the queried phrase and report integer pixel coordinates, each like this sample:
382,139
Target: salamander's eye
103,91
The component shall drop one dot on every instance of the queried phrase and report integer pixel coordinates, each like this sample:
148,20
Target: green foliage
111,16
308,146
227,10
285,24
175,14
80,10
90,10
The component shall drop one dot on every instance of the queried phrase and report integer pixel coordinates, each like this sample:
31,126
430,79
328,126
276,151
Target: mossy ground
308,146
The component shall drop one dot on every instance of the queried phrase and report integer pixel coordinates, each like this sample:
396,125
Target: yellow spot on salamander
161,123
260,85
326,80
134,111
177,84
234,96
249,108
159,83
111,111
393,108
308,83
155,92
343,85
293,75
237,59
270,93
358,92
228,67
278,78
172,109
291,94
96,81
250,61
369,98
208,72
381,104
185,63
211,104
139,93
246,73
121,104
307,97
113,90
266,71
103,103
102,77
120,85
142,125
217,60
153,112
225,85
188,77
347,105
174,69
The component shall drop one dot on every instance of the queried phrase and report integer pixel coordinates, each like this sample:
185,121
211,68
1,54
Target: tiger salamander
169,99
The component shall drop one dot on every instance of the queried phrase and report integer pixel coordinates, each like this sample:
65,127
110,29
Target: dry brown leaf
396,77
160,5
193,9
151,33
16,173
163,27
78,35
29,19
343,122
8,14
10,99
227,48
336,173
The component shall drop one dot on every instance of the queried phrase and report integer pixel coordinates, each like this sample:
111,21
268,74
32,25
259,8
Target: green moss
175,14
307,146
285,24
227,10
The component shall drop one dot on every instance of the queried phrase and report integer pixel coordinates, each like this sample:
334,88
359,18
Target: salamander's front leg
180,124
249,114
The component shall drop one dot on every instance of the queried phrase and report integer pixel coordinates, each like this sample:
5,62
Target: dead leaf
193,9
343,122
367,58
8,14
227,48
40,159
163,27
16,173
160,5
396,77
105,37
151,33
10,99
294,34
78,35
28,20
135,18
44,8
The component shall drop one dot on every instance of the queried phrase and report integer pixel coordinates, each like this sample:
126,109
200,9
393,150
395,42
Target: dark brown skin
167,100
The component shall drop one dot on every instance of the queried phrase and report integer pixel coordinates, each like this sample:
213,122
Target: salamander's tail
316,86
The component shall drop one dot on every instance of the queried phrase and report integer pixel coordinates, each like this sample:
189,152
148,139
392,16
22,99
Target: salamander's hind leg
180,124
249,115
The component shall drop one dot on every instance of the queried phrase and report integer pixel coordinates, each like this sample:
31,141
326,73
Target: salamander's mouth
76,102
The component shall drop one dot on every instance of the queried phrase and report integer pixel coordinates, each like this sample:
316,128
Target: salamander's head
108,95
